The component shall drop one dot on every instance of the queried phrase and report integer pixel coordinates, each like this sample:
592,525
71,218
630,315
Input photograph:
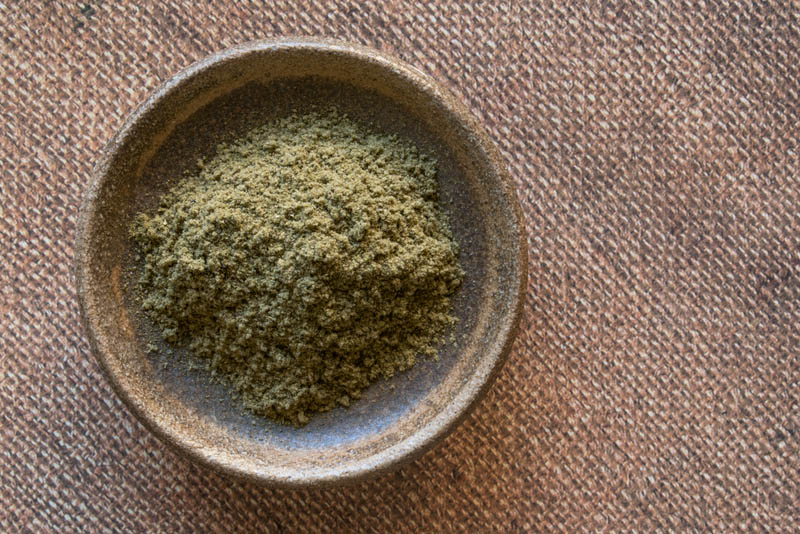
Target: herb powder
303,262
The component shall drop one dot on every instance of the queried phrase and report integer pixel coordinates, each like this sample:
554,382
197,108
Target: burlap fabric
656,383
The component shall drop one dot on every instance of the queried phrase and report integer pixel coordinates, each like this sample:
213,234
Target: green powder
303,262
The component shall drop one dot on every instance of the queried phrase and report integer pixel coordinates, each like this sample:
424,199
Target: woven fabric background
656,383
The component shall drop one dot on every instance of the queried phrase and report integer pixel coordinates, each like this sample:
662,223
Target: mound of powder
302,263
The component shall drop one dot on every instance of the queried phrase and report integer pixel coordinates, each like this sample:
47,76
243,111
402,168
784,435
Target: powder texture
303,262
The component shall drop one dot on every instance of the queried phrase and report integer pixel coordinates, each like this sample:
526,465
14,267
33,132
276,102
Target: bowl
218,99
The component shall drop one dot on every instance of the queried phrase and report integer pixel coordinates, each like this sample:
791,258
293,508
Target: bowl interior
218,100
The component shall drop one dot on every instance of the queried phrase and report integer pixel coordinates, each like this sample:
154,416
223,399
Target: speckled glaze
218,98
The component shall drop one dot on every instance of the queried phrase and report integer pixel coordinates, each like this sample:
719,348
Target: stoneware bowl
219,98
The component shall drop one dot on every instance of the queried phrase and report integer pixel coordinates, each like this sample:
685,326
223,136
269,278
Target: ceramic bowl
218,99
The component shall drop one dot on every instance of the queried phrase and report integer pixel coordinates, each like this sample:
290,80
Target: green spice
302,263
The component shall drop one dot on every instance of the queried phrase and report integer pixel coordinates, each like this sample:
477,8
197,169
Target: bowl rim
424,437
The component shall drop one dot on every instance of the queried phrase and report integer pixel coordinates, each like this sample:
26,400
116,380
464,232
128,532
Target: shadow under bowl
217,100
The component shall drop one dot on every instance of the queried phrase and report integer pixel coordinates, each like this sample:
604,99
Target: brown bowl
218,99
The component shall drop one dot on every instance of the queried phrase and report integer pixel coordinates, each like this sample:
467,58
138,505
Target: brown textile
656,382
